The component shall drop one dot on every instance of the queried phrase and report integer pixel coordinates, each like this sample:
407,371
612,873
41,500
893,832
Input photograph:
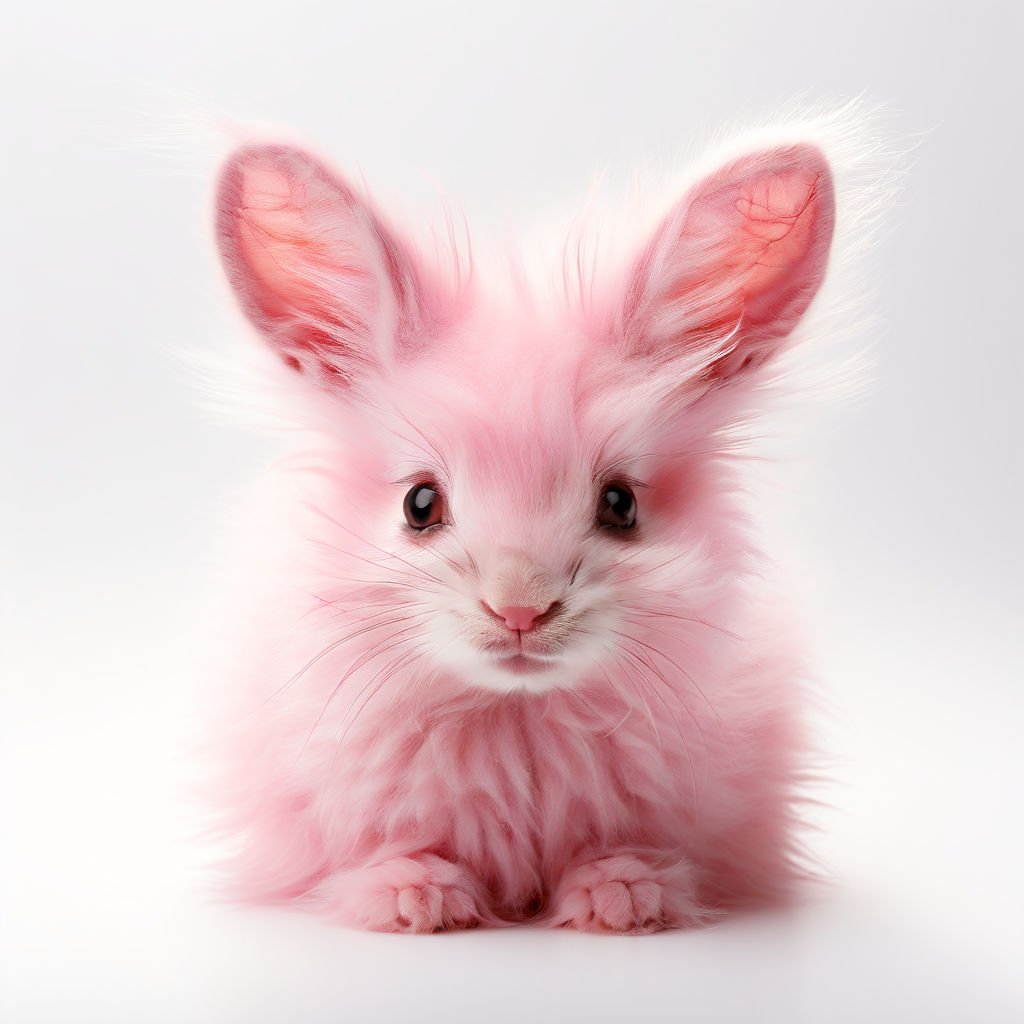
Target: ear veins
772,229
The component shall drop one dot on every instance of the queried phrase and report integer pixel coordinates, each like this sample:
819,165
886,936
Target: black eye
617,507
424,506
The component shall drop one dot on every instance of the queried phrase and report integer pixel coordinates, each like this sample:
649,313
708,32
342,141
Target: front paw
629,895
406,894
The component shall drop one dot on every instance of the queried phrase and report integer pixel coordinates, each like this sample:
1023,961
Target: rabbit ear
312,265
735,265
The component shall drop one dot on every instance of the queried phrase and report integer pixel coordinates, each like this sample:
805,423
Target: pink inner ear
778,215
769,246
303,255
747,250
274,239
314,267
296,248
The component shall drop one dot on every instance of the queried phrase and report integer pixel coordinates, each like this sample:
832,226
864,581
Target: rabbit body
514,655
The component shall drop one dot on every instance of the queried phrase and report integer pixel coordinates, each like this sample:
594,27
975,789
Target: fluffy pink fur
398,755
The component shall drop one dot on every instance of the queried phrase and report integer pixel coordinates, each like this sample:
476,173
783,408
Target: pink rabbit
514,656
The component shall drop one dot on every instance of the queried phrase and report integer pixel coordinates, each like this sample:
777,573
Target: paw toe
418,908
646,897
613,905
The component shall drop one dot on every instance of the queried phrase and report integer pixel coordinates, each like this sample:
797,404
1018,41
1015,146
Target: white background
907,513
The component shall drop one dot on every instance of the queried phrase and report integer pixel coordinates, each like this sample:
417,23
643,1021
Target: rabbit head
529,484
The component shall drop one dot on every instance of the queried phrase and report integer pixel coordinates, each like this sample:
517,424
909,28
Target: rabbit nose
518,618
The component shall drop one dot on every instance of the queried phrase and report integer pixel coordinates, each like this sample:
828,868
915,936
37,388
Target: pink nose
521,619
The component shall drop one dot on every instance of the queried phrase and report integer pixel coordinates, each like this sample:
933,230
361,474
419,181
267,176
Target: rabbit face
532,524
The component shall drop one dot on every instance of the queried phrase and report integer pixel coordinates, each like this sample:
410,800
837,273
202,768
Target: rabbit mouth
525,664
539,648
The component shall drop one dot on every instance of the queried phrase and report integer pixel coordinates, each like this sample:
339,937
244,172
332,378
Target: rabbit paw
406,894
627,895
